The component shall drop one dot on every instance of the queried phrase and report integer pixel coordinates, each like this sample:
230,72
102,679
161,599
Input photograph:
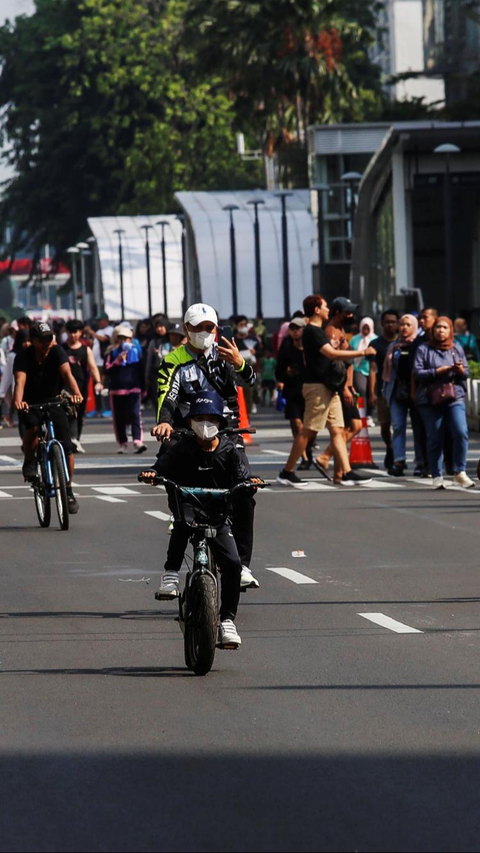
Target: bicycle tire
201,626
42,500
60,483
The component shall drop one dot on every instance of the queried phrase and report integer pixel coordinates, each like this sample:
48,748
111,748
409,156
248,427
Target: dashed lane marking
292,575
115,490
391,624
109,499
156,513
5,495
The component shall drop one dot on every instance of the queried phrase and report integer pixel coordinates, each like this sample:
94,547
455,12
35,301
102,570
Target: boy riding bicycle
205,460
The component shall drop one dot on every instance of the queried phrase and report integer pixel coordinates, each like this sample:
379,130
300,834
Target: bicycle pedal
228,647
159,596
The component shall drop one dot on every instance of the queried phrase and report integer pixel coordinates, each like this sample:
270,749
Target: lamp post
119,232
73,252
350,179
147,228
447,149
163,223
233,256
322,268
258,267
83,247
181,219
94,291
283,195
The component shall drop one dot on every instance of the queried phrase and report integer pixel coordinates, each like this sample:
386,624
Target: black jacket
187,464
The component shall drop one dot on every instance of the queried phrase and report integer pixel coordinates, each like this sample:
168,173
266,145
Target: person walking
389,324
157,349
290,376
398,390
123,365
325,376
361,369
466,339
440,370
82,363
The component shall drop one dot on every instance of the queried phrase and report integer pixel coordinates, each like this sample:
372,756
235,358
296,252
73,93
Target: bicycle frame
45,443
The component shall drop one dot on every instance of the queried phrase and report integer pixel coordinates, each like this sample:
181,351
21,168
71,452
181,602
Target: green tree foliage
105,113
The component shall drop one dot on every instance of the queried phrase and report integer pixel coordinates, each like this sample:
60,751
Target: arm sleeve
240,469
247,373
166,461
168,387
422,373
281,366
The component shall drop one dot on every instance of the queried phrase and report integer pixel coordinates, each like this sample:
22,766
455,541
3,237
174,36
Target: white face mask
201,340
243,331
205,429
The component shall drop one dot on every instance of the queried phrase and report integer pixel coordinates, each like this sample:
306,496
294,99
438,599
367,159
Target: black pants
76,421
226,556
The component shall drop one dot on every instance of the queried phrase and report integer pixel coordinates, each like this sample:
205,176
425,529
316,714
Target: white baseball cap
124,331
199,313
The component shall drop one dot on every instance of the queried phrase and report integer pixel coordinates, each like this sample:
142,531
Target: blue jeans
436,418
399,412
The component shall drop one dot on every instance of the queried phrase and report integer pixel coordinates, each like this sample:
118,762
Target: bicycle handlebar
54,404
164,481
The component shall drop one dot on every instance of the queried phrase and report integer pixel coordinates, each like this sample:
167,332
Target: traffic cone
243,421
90,407
360,448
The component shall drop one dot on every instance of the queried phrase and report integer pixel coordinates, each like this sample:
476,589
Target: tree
104,114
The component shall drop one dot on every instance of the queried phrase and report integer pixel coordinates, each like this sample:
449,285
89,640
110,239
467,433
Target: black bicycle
51,470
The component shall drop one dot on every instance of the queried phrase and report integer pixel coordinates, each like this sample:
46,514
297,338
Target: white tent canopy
210,226
135,266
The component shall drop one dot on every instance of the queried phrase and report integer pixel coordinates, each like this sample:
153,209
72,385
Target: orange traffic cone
90,407
360,448
244,422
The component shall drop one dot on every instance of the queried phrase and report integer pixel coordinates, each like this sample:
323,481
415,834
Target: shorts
295,408
383,412
269,384
350,412
59,418
322,407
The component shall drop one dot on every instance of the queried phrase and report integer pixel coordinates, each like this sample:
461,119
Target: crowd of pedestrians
313,368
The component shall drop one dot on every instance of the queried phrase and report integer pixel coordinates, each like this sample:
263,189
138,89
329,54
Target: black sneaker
28,470
388,461
353,478
140,448
397,469
72,504
289,478
305,465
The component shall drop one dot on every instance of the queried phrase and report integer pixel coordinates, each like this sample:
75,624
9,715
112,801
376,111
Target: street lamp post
322,267
163,223
73,252
119,232
83,247
181,219
147,228
447,149
233,256
283,195
258,266
94,291
350,179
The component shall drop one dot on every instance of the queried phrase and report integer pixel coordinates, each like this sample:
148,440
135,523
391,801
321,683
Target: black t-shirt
78,363
44,381
317,365
382,347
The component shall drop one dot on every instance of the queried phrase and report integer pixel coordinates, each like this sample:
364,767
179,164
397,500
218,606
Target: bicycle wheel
202,624
42,500
60,483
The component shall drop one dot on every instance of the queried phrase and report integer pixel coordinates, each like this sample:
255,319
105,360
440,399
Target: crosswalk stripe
292,575
163,516
115,490
5,495
109,499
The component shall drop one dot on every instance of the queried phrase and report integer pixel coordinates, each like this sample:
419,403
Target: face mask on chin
206,430
201,340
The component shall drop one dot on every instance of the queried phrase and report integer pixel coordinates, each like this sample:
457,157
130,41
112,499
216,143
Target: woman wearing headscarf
440,372
361,369
399,392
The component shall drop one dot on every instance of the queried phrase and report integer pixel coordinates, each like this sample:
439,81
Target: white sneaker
228,637
462,479
247,580
370,422
78,447
168,589
437,483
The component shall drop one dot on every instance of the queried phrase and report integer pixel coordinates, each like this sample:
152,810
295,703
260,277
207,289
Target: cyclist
205,460
203,364
41,371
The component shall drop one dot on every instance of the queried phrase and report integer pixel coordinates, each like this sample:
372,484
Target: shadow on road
169,801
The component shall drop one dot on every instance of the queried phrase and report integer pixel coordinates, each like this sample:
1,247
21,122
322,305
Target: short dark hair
241,318
389,311
75,326
25,320
312,302
429,308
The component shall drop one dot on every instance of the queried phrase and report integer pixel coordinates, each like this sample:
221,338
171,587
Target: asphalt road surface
348,721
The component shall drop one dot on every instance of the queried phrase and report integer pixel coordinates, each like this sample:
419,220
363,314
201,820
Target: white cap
124,331
199,313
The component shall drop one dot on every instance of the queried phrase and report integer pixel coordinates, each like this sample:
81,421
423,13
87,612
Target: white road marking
313,487
391,624
379,484
109,499
163,516
283,453
10,459
292,575
5,495
115,490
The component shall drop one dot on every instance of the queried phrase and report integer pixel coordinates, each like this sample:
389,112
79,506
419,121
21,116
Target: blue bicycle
51,471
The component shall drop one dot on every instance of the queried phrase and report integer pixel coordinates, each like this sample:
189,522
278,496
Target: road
330,730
